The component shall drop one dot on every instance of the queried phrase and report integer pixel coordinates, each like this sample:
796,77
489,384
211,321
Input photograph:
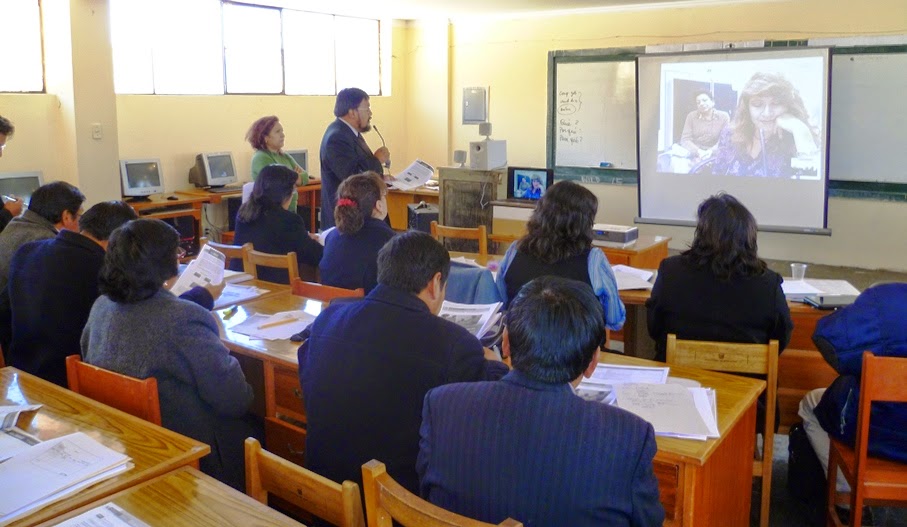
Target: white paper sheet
415,175
626,281
639,273
107,515
670,408
252,326
206,268
234,293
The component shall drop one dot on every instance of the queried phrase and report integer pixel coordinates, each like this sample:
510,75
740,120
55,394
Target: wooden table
309,194
188,498
397,201
708,483
646,252
273,289
154,450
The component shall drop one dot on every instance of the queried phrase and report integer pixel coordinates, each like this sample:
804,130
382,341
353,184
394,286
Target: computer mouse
172,198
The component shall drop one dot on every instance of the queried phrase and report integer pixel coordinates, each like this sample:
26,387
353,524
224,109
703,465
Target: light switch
96,131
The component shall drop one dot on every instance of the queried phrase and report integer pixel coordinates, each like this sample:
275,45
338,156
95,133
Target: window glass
357,54
131,39
308,49
188,56
21,67
252,49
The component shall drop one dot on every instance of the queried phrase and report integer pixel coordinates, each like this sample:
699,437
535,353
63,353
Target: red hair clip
346,202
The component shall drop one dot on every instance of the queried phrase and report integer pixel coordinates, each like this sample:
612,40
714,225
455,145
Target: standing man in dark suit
527,447
343,150
367,365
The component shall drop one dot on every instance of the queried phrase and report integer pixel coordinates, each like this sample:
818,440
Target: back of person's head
410,260
275,184
561,225
725,239
141,256
348,99
259,130
356,199
103,218
6,127
554,326
52,199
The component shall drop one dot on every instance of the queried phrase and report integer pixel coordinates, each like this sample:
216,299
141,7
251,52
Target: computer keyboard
157,210
224,190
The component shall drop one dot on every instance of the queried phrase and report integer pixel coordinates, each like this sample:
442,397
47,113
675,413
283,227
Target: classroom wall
511,57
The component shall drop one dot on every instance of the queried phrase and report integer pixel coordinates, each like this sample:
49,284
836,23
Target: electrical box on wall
475,105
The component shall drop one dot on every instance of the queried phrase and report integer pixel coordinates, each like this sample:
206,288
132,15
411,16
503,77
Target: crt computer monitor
213,170
300,156
141,178
20,184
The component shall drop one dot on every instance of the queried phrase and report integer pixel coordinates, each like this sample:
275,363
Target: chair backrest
133,396
882,380
386,501
255,258
267,473
232,252
322,292
479,233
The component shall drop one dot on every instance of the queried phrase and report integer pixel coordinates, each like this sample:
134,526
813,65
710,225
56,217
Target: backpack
805,477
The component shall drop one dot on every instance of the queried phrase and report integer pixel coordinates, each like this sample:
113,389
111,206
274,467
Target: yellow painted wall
510,56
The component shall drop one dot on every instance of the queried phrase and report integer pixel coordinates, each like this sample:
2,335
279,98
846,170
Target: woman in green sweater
266,137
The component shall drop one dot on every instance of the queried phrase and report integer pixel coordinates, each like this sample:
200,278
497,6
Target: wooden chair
254,258
872,480
232,252
227,237
478,233
739,358
267,473
386,501
133,396
325,293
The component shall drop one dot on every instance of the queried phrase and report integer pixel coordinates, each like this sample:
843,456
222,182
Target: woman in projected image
266,137
535,191
770,135
558,242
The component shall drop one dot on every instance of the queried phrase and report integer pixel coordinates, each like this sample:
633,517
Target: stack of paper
278,326
234,277
12,438
107,515
672,409
479,319
53,470
234,293
600,386
798,289
631,278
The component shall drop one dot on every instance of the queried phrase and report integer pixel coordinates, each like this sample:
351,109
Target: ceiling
413,9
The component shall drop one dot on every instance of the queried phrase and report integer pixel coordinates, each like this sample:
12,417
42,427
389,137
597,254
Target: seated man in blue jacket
874,322
367,365
527,447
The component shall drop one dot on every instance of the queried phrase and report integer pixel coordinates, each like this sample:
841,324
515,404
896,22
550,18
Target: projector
614,233
488,154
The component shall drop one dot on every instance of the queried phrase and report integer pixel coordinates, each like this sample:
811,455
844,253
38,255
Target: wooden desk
273,289
188,498
708,483
646,252
308,195
154,450
397,201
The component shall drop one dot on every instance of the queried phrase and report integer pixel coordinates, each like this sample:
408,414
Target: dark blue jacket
351,260
537,453
365,370
277,231
342,155
876,323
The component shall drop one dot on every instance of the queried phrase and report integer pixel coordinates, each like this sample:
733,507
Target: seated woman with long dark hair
558,242
138,328
265,221
719,289
351,250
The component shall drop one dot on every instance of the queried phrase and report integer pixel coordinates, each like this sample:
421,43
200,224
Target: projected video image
140,175
529,184
756,118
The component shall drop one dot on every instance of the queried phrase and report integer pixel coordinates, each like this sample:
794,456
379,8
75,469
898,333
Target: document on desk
600,385
279,326
52,470
235,277
414,176
107,515
797,289
234,293
670,408
207,268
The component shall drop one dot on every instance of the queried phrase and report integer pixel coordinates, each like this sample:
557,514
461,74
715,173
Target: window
22,68
216,47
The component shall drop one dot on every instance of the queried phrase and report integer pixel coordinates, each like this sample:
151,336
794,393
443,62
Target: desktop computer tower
232,208
420,216
185,226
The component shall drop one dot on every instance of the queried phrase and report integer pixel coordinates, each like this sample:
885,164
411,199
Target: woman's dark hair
725,239
772,85
259,130
561,225
356,199
274,185
554,326
141,256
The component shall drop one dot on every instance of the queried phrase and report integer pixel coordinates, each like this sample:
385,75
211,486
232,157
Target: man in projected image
770,135
703,126
344,152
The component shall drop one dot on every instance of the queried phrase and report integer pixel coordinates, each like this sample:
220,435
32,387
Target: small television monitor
20,184
141,177
213,170
301,157
528,183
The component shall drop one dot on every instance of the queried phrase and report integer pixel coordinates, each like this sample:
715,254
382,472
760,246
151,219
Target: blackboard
868,133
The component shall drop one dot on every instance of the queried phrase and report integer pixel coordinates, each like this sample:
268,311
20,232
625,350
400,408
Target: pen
280,322
230,312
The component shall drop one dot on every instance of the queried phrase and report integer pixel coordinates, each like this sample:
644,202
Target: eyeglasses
366,109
